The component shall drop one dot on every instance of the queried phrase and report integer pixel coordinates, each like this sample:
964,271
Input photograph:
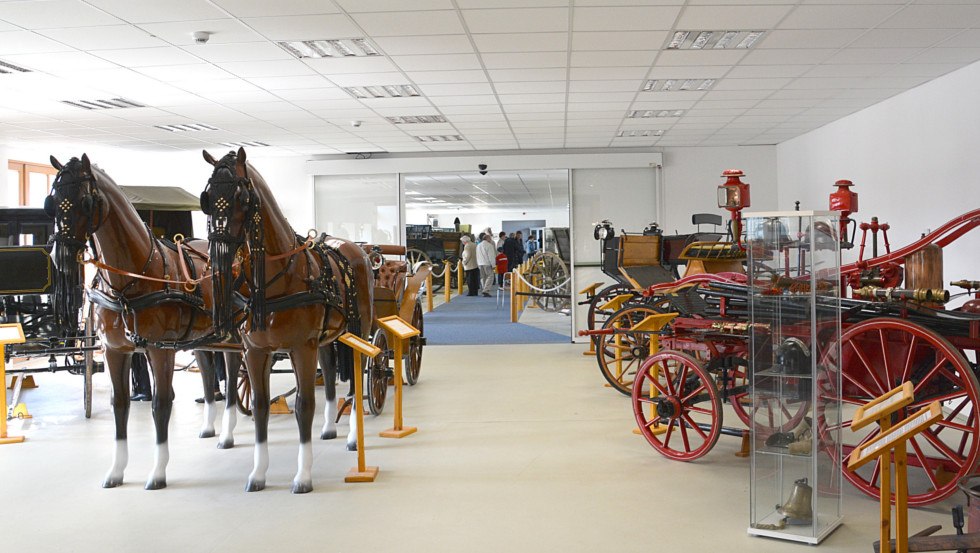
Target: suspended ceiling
497,190
505,74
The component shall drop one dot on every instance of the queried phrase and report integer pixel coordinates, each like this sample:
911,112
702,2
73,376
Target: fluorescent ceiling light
714,40
7,67
111,103
186,127
412,119
640,133
242,144
329,48
382,91
668,85
646,114
440,138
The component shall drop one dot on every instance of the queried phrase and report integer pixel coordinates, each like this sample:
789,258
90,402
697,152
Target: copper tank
924,268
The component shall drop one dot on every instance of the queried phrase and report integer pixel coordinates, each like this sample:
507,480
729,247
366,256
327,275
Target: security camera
202,37
355,124
483,168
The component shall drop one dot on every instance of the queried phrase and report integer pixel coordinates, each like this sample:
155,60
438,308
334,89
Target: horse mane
121,206
271,212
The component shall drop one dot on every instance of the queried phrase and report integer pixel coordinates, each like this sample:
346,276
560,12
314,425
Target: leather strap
292,252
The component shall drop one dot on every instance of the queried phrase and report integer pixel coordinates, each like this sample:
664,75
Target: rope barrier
544,290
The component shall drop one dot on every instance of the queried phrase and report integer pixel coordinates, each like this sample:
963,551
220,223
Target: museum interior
489,275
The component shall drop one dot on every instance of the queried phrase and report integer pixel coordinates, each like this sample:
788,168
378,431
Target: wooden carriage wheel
677,406
414,365
880,354
620,359
549,272
376,388
596,316
244,387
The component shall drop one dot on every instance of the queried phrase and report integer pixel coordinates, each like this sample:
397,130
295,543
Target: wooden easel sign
398,331
362,472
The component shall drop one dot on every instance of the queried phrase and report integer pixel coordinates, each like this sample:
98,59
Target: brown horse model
143,297
296,295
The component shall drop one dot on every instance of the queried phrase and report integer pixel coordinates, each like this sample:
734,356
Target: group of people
486,261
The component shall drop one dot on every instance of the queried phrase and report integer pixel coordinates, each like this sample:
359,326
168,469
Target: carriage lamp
733,195
846,202
603,230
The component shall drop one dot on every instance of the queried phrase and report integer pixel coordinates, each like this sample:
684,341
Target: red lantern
846,202
733,195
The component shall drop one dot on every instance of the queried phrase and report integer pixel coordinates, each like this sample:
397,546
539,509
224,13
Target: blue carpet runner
476,320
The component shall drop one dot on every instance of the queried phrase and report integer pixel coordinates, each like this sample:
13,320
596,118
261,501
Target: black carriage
435,245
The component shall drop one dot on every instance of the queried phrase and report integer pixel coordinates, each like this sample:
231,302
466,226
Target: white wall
692,175
914,160
492,219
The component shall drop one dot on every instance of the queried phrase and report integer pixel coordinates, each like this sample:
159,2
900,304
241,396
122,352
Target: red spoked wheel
677,406
880,354
765,412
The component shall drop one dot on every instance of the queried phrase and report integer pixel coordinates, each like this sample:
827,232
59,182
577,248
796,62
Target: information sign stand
360,473
398,332
11,333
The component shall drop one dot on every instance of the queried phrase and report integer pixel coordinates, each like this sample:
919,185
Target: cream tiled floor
519,448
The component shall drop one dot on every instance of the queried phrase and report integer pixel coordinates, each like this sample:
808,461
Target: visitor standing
512,250
532,246
501,261
470,266
501,238
485,255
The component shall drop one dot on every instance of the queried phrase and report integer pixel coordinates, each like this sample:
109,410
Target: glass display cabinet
794,311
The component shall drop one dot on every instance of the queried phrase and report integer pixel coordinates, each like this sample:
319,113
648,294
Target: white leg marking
228,421
158,478
120,458
304,473
330,416
210,414
352,435
261,464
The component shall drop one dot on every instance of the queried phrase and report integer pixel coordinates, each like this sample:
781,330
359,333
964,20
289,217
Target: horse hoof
226,444
254,486
111,482
156,484
351,446
207,434
302,487
328,434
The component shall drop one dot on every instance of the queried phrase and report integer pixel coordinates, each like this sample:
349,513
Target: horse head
78,209
232,207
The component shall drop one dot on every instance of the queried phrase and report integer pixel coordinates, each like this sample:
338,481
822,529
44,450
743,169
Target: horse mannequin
303,304
131,309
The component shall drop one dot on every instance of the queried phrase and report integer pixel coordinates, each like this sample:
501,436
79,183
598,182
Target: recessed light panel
675,85
440,138
713,40
329,48
186,127
243,144
7,67
640,133
414,119
111,103
382,91
648,113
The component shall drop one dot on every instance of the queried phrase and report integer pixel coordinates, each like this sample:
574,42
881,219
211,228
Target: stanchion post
398,331
460,277
11,333
428,292
447,275
513,295
362,472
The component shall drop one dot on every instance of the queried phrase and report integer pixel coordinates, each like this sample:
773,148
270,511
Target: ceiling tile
146,57
240,51
530,20
525,60
439,77
409,45
104,37
179,73
542,87
810,38
611,73
920,69
149,12
54,14
352,64
702,57
437,62
292,83
613,40
367,79
969,38
474,100
625,18
947,55
601,86
223,31
304,27
754,17
56,63
26,42
556,99
756,71
612,58
900,38
278,68
751,84
356,6
786,56
601,96
846,70
528,75
688,72
934,17
260,8
521,42
456,89
857,16
873,55
444,22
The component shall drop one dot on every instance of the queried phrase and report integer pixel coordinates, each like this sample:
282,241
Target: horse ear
56,164
86,164
241,155
208,158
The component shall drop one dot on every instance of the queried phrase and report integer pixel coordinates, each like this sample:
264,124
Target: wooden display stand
589,292
892,440
653,324
398,332
360,473
11,333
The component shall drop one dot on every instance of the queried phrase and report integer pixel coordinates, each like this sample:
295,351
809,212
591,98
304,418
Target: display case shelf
794,287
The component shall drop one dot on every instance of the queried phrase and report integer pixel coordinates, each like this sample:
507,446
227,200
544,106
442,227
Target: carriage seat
389,287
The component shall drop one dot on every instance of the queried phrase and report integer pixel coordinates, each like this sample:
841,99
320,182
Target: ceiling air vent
412,119
382,91
440,138
639,133
674,85
648,113
713,40
112,103
7,67
243,144
329,48
186,127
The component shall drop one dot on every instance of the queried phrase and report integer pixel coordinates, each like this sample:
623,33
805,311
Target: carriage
434,246
888,335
